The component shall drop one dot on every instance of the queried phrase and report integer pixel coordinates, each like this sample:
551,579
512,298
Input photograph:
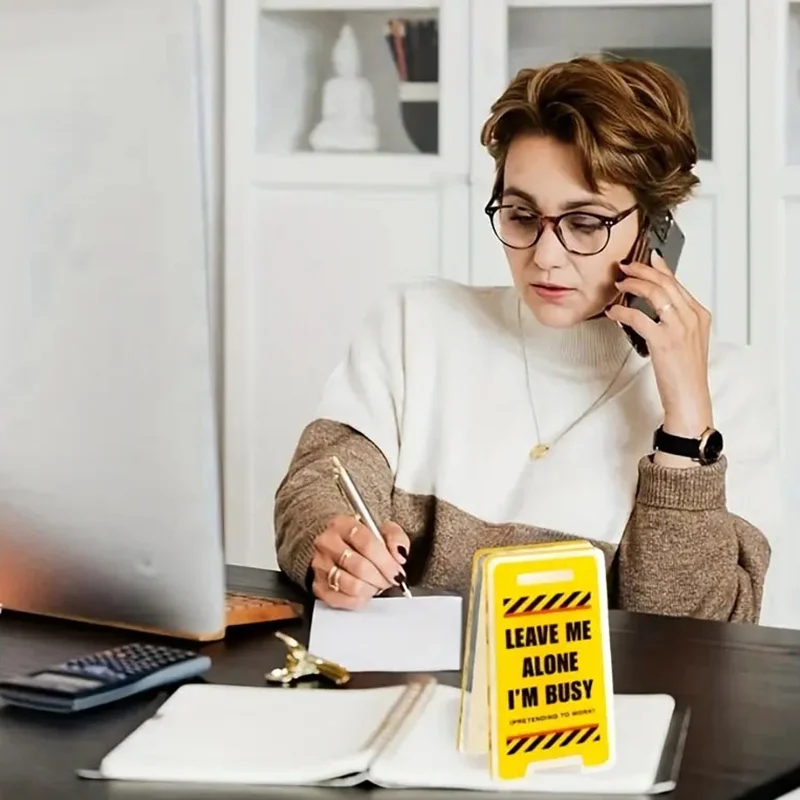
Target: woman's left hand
678,343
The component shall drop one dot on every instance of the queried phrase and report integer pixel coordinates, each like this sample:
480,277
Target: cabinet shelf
397,170
606,3
348,169
346,5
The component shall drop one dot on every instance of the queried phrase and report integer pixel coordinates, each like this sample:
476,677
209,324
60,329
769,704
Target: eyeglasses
580,232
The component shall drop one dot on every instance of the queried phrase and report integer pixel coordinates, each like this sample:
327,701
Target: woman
474,417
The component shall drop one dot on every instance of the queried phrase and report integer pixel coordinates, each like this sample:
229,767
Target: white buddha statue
348,106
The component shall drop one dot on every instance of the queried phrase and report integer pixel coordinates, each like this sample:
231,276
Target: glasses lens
515,226
583,233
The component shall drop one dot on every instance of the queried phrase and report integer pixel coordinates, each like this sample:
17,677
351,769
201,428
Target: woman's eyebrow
513,191
570,205
589,201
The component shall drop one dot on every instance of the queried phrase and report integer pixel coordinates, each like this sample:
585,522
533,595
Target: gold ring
333,578
665,307
346,553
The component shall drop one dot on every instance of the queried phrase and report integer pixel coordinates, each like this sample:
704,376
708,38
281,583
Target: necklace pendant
540,451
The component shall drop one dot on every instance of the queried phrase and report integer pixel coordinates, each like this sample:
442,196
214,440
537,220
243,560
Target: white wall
212,55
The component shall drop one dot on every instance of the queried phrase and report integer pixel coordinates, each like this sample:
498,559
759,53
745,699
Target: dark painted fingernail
625,261
399,578
402,550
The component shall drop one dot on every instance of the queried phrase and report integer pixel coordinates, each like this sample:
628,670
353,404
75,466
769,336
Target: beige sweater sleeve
684,554
308,496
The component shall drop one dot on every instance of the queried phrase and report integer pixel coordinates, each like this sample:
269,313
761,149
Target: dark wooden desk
743,684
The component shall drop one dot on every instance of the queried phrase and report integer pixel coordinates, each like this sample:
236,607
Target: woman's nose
548,252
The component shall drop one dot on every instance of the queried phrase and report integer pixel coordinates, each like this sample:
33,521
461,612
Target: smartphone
663,234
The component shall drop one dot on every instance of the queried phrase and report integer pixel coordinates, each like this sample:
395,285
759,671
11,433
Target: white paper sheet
391,634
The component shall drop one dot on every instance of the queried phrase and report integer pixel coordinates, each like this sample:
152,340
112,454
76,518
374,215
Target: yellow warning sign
539,619
545,740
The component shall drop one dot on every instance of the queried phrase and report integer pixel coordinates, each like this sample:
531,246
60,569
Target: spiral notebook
394,737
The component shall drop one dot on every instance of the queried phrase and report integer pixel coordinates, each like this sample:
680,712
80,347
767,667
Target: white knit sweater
436,378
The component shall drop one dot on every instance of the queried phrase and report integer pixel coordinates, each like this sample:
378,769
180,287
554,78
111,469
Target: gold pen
359,507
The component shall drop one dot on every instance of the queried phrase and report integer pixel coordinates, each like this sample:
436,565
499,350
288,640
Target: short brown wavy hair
628,119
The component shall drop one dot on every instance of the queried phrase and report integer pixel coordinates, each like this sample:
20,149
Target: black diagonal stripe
552,740
569,737
517,745
596,738
569,600
516,605
535,743
535,602
584,600
586,734
506,601
552,601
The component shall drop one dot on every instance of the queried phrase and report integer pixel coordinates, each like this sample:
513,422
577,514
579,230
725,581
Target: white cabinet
313,237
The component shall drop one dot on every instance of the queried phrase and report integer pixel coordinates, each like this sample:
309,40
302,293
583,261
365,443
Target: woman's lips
550,291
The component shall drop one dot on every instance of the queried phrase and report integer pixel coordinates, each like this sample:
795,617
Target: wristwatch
706,450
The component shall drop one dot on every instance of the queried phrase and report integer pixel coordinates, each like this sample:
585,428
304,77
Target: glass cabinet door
701,42
367,91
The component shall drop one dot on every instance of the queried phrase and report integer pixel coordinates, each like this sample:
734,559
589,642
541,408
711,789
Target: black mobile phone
663,234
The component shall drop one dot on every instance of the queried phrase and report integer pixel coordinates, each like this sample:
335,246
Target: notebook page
257,735
424,755
391,634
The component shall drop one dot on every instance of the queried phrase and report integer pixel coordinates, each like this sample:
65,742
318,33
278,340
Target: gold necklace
541,449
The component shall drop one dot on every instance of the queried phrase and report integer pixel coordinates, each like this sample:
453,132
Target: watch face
713,447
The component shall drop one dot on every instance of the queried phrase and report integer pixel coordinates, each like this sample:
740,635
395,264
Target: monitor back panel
109,474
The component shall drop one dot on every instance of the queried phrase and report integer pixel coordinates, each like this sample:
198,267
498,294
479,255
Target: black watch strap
706,449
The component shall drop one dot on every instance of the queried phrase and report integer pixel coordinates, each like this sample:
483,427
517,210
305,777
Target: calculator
102,677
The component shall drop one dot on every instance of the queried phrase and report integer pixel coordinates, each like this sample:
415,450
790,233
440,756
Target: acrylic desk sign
537,688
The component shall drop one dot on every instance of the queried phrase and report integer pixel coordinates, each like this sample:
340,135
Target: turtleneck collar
595,345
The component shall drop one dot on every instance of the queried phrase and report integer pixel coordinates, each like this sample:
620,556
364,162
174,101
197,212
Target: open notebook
397,736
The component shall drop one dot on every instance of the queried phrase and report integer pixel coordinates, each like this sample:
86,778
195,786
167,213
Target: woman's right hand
351,565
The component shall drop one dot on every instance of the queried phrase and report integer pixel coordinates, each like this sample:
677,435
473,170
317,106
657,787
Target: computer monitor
110,500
